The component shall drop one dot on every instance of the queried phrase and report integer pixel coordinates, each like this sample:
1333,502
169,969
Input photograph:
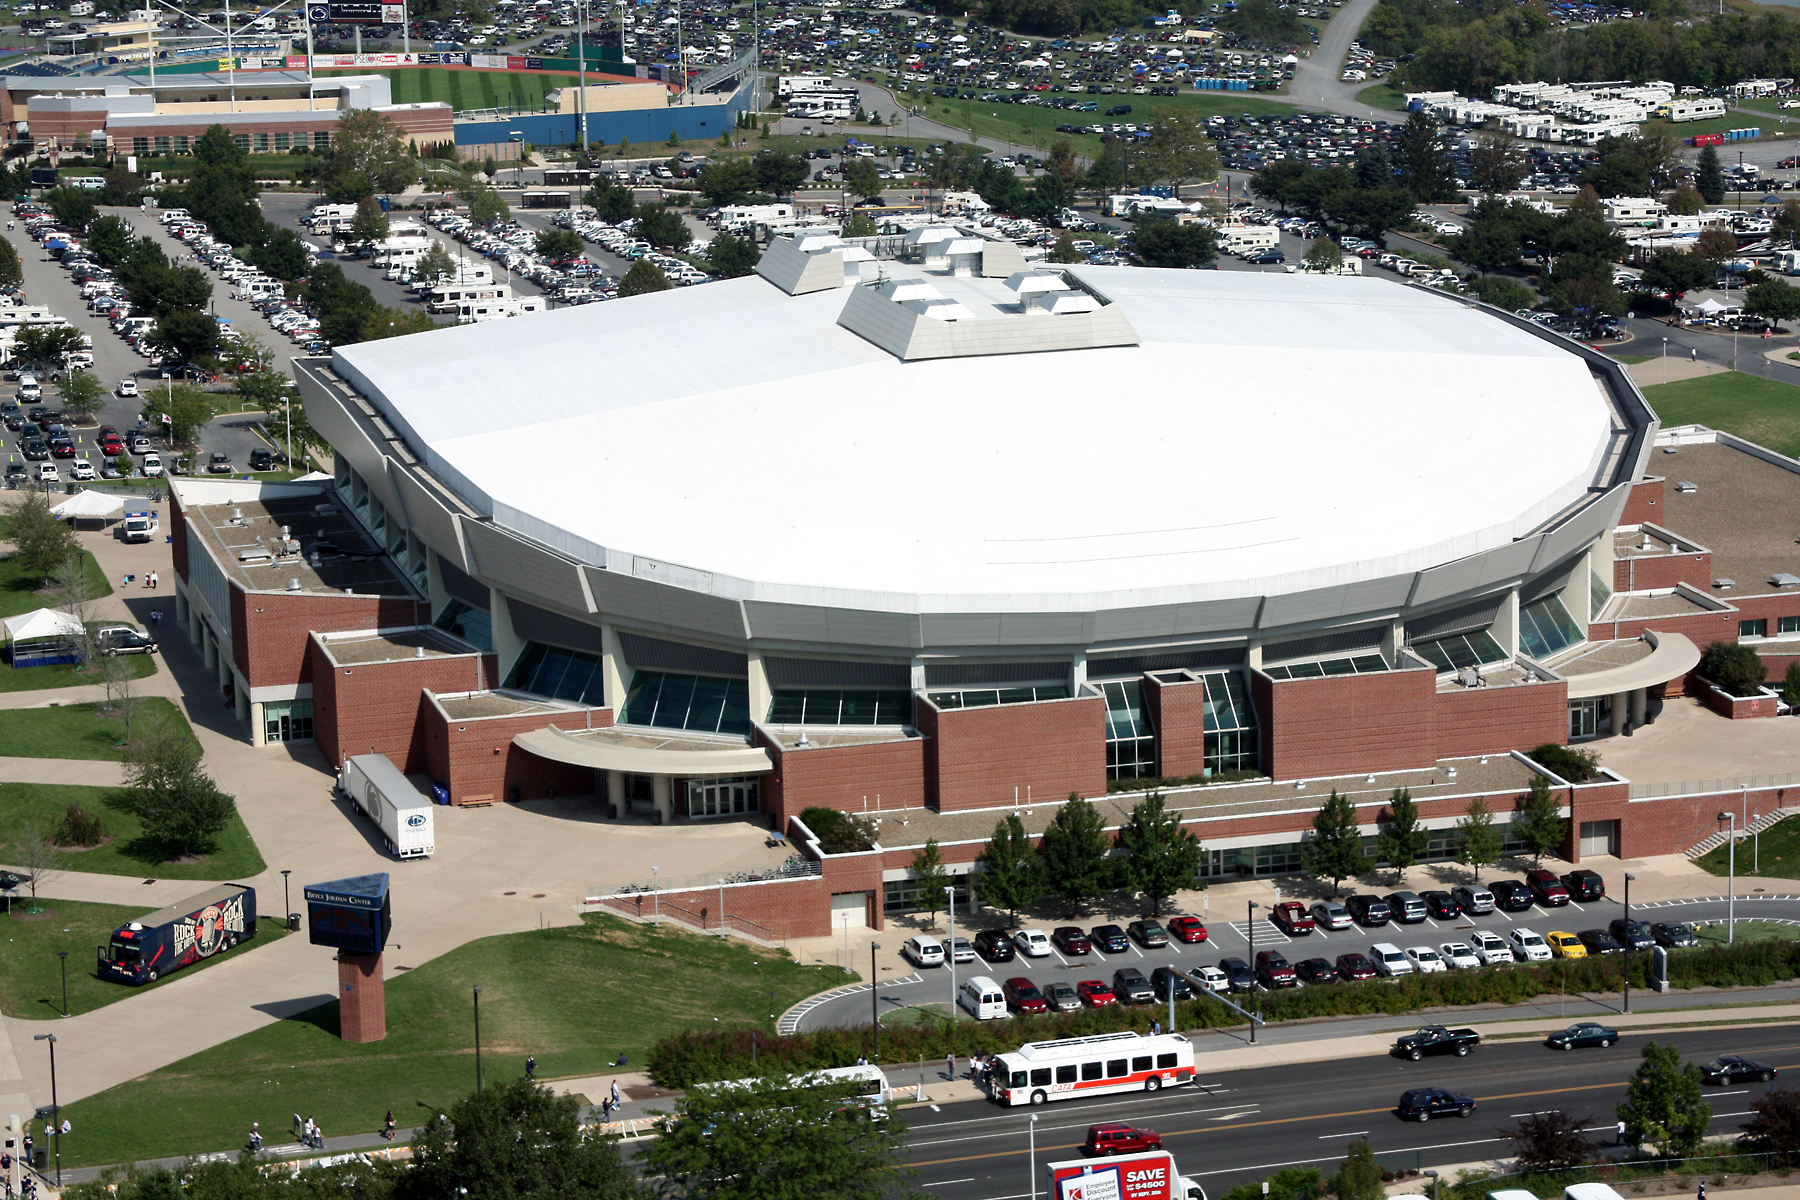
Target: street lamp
1252,928
1730,818
287,901
1630,942
55,1108
874,1013
1665,358
64,955
655,900
1033,1128
478,1039
950,950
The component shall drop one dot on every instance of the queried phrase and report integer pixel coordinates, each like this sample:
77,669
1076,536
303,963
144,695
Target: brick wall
788,909
845,778
1497,719
177,529
1177,713
1735,707
1670,824
1644,504
362,998
1378,722
1699,628
270,631
479,763
377,707
977,757
1664,571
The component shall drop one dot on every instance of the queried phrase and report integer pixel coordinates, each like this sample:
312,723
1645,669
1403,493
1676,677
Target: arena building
939,537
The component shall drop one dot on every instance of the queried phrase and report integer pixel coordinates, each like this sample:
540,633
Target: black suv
1667,933
1368,910
994,946
262,460
1584,884
1599,941
1635,934
1422,1104
1163,978
1510,895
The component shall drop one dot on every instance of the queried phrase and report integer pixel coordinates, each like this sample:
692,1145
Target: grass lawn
1029,125
1628,359
576,997
73,730
39,805
31,974
19,590
1763,411
30,679
468,88
1772,128
1383,96
1778,857
1747,931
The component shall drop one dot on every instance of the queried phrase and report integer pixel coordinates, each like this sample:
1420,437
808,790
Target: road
1317,82
1231,938
1239,1127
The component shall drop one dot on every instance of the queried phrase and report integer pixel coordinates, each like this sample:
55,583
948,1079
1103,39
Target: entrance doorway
722,797
1599,838
849,910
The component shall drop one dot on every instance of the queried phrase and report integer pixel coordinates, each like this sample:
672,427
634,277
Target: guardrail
633,908
1700,787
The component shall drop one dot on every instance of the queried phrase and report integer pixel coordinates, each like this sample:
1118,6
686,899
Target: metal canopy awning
605,751
1674,656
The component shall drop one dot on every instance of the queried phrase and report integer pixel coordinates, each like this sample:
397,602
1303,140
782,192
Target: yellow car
1565,945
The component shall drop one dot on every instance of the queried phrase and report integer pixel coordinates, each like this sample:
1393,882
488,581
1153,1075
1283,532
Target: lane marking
1353,1133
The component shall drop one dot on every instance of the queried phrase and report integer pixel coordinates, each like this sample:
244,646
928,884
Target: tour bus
1039,1072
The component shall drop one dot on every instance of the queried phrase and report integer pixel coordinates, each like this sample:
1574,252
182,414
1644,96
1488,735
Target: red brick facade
1493,720
846,778
1661,572
1378,722
478,762
362,998
376,707
1645,504
979,757
270,631
1177,712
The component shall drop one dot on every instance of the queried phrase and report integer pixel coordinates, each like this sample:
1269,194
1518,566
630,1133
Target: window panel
1787,625
1753,629
701,703
469,623
1546,628
1599,592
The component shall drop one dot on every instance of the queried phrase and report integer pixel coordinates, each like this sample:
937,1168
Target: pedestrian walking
531,1066
1621,1140
950,1066
390,1125
306,1132
1694,356
255,1139
1702,1195
615,1093
605,1109
1155,1028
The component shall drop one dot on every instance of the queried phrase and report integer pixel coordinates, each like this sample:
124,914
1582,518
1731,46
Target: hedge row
702,1056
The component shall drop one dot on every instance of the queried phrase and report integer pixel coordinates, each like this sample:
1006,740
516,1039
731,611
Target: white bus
1039,1072
872,1090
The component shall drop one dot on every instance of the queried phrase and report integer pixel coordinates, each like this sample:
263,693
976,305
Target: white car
923,950
1033,943
47,473
1449,228
1528,946
1459,955
1490,949
1210,978
1389,959
80,469
962,950
1790,104
1425,960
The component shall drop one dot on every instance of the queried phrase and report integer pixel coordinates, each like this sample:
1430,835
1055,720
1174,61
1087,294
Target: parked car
1329,914
1071,940
1238,975
1355,966
111,640
1095,994
1587,1033
1103,1140
262,460
1526,945
1292,918
1389,959
1510,895
1148,934
1735,1068
1490,948
1600,941
1062,998
1583,884
1130,986
1425,960
1635,934
1459,956
1274,971
1110,938
1674,934
1022,996
1369,911
1164,978
1436,1039
1209,978
1422,1104
1033,943
1441,905
962,950
1546,888
923,950
1187,929
1564,944
1406,907
1316,970
994,945
1473,900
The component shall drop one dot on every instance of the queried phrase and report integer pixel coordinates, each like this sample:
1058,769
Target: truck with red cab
1292,917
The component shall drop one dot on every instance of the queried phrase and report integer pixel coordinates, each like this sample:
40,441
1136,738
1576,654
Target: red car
1355,966
1292,917
1071,939
1546,888
1022,996
1114,1138
1096,994
1186,929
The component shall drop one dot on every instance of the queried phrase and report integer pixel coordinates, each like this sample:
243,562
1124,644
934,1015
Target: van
152,464
1389,960
981,998
29,391
923,950
170,216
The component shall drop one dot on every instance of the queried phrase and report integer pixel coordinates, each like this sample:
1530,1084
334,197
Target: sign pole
312,98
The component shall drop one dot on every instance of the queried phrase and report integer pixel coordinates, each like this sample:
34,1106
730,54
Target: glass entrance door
1584,719
722,797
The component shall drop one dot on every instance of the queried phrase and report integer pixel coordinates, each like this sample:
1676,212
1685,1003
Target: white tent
1709,306
42,623
89,503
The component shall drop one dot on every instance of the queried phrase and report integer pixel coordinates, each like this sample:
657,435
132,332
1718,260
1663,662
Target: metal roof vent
1646,546
1668,449
418,652
1723,584
1783,579
294,584
1687,487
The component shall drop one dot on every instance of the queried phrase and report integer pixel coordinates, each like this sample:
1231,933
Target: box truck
375,785
201,926
1149,1175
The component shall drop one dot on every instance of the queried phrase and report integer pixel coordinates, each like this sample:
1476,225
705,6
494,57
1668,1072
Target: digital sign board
352,915
356,12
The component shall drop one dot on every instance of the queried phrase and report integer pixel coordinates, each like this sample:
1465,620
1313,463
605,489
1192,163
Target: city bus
1039,1072
871,1085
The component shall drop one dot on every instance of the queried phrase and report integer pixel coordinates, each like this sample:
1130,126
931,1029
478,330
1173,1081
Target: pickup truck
1435,1039
1292,917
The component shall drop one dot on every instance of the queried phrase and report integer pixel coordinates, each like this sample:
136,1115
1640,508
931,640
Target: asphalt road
1238,1127
1230,938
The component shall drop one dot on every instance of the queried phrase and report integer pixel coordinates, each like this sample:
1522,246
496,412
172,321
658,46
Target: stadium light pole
55,1108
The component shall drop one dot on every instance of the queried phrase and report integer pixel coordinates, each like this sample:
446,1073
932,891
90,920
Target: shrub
78,827
1790,685
839,832
1736,668
1576,766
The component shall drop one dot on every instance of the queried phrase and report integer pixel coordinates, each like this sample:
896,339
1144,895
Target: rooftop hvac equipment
255,555
1722,584
1687,487
1783,579
293,585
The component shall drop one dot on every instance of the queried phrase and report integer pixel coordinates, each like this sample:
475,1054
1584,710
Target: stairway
1717,837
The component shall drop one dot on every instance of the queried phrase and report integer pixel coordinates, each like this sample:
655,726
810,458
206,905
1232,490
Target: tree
434,264
514,1141
1775,300
1159,242
1539,822
1335,850
343,307
1077,862
1685,200
176,802
1716,246
1774,1129
1063,163
612,201
1709,176
1425,170
1549,1141
72,206
860,225
1478,842
71,591
41,543
863,178
1012,875
1501,291
725,182
1359,1178
119,675
1162,857
644,276
1368,213
187,408
1497,164
283,256
663,228
1181,148
12,271
34,854
779,174
370,225
1790,684
110,240
187,333
369,143
1064,251
1678,271
931,878
394,322
732,257
81,392
1737,668
762,1139
1324,256
487,206
1402,840
48,345
559,245
1663,1102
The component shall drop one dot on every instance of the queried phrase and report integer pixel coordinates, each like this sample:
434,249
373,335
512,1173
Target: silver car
962,950
1062,998
1329,914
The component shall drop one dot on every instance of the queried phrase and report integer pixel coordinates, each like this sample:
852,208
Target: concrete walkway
1672,370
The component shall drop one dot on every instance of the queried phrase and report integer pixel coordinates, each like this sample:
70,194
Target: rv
449,298
1249,239
1624,210
790,85
494,310
743,216
1696,110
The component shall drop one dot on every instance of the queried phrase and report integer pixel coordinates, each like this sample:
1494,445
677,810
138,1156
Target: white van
982,999
1389,959
29,391
923,951
171,216
152,464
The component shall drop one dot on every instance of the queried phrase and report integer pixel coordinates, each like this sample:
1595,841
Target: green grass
19,589
31,974
467,88
73,730
1747,931
1759,410
1778,856
41,805
576,997
30,679
1628,359
1772,128
1383,95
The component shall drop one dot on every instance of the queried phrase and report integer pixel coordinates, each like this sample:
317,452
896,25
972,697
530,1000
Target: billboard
352,915
1146,1176
355,12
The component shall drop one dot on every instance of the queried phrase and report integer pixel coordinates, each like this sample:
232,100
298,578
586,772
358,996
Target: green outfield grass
466,89
1760,410
1772,127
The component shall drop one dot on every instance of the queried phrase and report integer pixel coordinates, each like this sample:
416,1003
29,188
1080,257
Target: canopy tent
89,503
1709,306
43,637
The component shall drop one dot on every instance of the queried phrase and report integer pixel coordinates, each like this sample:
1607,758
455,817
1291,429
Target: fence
724,924
1703,787
795,867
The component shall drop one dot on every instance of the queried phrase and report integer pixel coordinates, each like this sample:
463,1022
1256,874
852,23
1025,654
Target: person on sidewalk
318,1137
615,1094
255,1138
1693,354
306,1132
950,1066
531,1066
390,1125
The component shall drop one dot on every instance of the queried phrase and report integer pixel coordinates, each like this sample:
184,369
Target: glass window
988,697
262,143
1115,1068
1041,1077
1787,625
1230,721
1092,1070
282,140
902,895
1545,628
1141,1063
140,145
1165,1061
321,139
1753,629
1599,592
702,703
288,721
467,622
564,674
1460,650
830,706
162,145
1130,742
242,141
1066,1074
1359,664
181,143
722,797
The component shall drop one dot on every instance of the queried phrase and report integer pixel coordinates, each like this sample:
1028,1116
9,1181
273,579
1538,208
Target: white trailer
376,786
1696,110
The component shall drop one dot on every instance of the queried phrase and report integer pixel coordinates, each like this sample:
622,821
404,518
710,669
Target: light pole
64,955
1033,1128
287,901
1730,818
55,1108
950,950
1665,357
655,900
1630,945
478,1039
1251,925
874,1013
